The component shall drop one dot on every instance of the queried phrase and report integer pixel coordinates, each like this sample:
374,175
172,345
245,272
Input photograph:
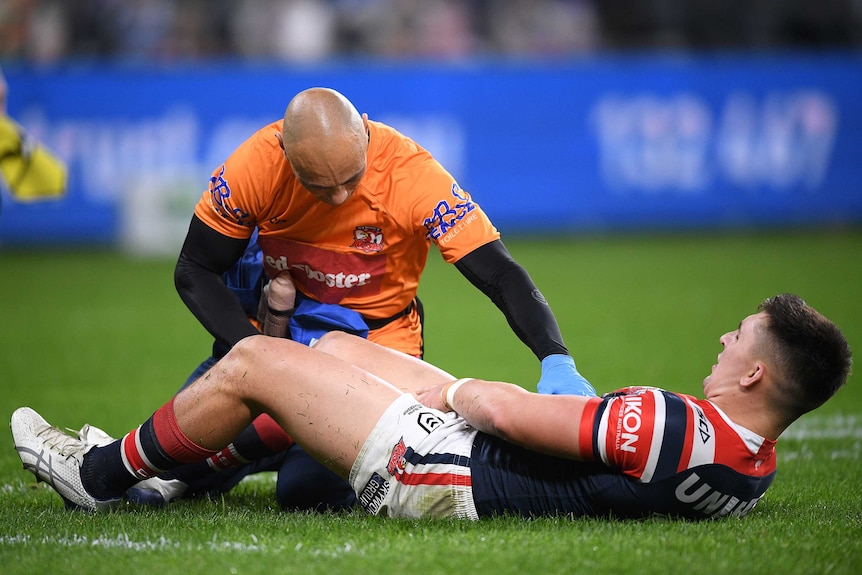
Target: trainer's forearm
215,306
206,255
493,270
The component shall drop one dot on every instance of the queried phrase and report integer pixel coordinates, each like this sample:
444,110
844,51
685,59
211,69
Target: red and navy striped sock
156,446
264,437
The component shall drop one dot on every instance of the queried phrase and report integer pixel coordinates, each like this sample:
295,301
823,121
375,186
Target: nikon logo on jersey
631,422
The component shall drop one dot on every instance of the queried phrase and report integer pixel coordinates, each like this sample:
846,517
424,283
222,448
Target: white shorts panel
416,463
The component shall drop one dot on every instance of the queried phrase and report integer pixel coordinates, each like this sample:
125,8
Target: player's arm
544,423
206,254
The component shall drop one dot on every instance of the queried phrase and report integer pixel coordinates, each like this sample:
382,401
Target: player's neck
751,414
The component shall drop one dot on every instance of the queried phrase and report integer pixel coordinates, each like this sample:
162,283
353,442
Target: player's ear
755,374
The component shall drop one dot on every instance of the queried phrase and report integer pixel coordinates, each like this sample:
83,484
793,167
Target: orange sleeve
442,211
240,190
457,224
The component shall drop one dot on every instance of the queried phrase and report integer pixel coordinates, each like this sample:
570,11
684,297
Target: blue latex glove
561,377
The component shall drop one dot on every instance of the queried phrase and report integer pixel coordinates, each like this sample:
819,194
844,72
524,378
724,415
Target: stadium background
561,116
601,124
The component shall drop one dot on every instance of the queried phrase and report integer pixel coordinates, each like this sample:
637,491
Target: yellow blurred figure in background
27,168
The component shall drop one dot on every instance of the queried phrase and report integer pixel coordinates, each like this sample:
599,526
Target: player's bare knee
332,341
242,361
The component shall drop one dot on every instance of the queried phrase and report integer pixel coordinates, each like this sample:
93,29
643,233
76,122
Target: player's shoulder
636,390
648,403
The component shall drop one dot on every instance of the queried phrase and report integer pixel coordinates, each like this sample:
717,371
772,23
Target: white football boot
93,436
56,458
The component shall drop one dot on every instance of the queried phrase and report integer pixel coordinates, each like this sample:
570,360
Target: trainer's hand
561,377
276,306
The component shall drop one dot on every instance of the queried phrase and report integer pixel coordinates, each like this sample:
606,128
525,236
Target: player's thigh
405,372
327,405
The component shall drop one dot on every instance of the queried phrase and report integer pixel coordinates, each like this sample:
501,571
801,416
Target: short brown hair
812,355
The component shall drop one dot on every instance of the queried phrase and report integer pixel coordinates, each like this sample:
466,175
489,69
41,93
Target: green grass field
101,338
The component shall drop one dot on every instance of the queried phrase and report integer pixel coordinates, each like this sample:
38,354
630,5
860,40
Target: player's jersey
366,254
652,451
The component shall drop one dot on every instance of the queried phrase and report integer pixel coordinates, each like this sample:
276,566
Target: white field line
840,426
796,442
123,541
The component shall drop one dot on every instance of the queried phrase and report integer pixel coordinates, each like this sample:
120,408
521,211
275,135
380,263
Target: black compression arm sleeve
205,256
493,270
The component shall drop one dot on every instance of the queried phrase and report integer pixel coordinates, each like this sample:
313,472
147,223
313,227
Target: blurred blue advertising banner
600,143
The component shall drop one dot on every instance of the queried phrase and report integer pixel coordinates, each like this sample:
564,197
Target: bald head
325,141
320,113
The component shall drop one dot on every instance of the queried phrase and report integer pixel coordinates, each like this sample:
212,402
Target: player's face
740,357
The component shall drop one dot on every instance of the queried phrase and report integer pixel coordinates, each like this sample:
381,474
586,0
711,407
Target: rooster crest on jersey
369,239
398,459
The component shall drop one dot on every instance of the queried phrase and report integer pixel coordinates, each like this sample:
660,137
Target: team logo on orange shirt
368,239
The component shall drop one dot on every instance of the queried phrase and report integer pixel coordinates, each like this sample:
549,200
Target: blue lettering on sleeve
445,217
219,190
220,193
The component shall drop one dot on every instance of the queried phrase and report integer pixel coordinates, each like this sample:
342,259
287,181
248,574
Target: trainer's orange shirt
366,254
